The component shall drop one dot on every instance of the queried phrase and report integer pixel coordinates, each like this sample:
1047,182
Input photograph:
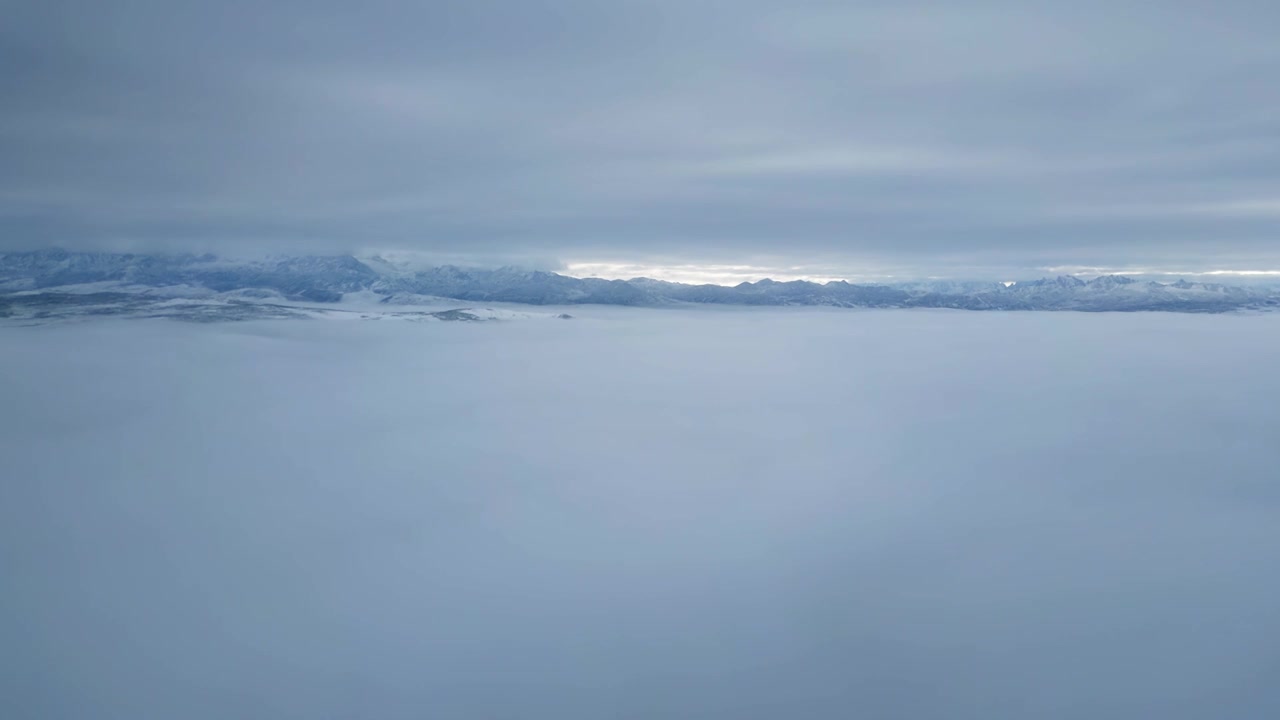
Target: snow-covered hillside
59,279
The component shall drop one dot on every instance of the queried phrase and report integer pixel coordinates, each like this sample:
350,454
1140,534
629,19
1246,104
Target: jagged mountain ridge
328,278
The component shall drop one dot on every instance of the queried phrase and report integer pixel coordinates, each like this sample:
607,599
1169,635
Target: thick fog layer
644,514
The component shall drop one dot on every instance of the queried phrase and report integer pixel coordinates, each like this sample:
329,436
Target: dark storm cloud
914,133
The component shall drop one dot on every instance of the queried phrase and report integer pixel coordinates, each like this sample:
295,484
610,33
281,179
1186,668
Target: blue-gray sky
828,136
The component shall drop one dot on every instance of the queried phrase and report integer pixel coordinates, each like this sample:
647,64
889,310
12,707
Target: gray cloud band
921,135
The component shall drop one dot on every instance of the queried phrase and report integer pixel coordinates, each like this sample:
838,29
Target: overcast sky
828,137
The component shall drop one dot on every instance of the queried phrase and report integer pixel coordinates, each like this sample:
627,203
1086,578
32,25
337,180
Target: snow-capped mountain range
60,277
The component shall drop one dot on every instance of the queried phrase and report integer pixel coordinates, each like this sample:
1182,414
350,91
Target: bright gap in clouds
699,274
1163,272
733,274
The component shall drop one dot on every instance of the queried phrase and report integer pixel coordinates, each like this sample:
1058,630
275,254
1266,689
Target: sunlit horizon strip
734,274
696,274
1089,270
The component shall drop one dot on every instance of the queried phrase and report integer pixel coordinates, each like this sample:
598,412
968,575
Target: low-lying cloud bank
716,514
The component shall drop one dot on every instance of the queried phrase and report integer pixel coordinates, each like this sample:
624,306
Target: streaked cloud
924,135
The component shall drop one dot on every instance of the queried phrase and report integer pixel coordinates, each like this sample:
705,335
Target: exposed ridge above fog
325,279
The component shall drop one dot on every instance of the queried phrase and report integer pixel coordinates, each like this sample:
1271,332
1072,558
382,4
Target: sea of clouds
728,513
